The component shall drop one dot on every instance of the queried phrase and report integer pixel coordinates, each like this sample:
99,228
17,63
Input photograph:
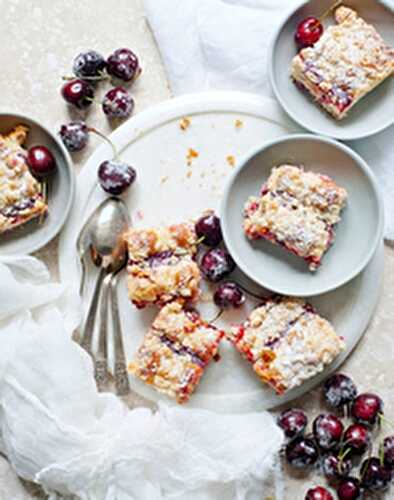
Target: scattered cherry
78,93
308,32
367,408
293,422
208,227
327,431
89,64
216,264
74,135
301,452
349,489
339,390
357,438
388,452
118,103
115,177
374,475
41,161
123,64
228,295
318,493
335,467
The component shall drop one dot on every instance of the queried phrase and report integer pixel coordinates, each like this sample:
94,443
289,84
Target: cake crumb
163,179
185,123
238,123
188,174
230,160
191,153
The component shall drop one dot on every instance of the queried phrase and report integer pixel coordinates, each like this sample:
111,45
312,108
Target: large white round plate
168,189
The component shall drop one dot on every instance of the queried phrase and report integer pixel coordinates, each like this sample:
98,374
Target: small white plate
356,236
32,236
373,113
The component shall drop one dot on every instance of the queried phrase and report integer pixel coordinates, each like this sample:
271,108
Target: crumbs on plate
238,123
191,154
185,123
163,179
230,160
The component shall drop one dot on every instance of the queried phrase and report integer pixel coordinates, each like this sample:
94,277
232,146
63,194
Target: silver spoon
107,251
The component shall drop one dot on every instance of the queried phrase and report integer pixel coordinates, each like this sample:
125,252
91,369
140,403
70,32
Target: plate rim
69,166
288,138
278,96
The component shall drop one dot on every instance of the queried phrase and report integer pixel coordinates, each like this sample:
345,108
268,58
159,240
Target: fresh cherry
374,475
308,32
301,452
123,64
367,408
339,390
208,227
216,264
293,422
318,493
74,135
349,489
115,177
335,467
41,162
78,93
228,295
388,452
357,438
327,431
89,64
118,103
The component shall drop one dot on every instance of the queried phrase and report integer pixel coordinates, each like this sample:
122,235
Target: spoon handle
88,329
121,376
101,360
83,275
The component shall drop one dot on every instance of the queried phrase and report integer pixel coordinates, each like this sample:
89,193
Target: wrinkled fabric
224,46
57,430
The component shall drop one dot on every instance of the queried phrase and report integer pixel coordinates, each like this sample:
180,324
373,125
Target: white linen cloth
57,430
222,44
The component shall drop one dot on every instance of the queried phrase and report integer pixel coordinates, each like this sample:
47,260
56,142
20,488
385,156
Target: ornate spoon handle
88,329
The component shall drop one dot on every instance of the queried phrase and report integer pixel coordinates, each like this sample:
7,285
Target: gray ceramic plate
357,234
31,236
372,114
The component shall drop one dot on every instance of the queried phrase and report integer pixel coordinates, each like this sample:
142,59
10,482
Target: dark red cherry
318,493
78,93
293,422
357,438
74,135
208,227
308,32
216,264
388,452
88,64
118,103
327,430
123,64
374,475
41,161
228,295
115,176
339,390
334,467
349,489
301,452
367,408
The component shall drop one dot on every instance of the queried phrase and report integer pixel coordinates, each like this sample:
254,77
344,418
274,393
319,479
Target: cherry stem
328,11
217,316
98,78
103,136
381,454
249,292
384,420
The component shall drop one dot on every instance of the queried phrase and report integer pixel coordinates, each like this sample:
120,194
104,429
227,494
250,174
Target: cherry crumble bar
20,193
297,210
287,342
161,265
348,61
176,351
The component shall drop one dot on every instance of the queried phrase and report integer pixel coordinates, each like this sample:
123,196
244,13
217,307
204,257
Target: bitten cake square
346,63
296,210
175,352
161,265
287,342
